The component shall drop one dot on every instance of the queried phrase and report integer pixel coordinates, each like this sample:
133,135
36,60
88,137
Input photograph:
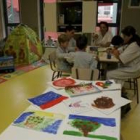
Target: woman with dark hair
129,57
103,37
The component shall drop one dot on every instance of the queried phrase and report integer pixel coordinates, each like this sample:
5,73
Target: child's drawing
47,99
81,89
40,121
91,127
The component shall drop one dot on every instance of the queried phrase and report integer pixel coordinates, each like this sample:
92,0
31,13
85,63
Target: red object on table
63,82
101,84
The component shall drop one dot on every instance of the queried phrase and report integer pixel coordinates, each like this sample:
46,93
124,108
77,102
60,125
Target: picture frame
135,4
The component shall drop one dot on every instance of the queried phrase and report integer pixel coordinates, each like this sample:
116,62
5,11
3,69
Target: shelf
68,1
68,24
62,28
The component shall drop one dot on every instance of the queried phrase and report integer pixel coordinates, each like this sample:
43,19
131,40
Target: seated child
62,53
117,41
82,59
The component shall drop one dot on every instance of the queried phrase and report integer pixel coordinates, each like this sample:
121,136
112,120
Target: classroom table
103,58
18,133
106,64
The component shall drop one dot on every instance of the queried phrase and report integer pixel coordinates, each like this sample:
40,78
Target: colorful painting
103,102
107,85
40,121
47,99
63,82
109,102
91,127
81,89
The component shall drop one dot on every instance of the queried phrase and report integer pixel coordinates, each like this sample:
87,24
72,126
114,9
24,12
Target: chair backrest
52,59
85,74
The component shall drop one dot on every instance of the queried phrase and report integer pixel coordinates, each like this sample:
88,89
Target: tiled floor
14,94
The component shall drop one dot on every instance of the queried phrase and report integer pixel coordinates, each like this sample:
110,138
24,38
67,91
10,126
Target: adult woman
128,55
103,37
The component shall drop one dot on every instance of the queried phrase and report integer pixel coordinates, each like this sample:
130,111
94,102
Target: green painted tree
85,126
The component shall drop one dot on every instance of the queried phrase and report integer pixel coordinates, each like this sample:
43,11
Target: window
110,13
12,14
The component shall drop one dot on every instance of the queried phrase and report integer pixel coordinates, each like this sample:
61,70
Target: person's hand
95,36
116,53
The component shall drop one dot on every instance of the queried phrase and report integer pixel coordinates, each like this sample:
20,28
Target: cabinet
79,13
69,13
89,16
50,17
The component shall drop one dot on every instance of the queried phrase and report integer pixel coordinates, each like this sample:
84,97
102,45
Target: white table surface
17,133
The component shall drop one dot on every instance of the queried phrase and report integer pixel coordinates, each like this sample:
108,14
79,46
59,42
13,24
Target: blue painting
40,121
47,99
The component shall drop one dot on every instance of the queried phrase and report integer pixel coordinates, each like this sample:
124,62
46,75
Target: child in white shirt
82,59
62,53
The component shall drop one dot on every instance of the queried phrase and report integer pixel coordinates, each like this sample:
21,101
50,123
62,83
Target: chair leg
137,92
53,76
130,82
60,75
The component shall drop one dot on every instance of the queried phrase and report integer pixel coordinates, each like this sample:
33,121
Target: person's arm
61,55
70,57
95,36
130,53
116,53
105,45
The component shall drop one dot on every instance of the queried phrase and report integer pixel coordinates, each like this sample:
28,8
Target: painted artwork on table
108,102
47,99
77,106
107,85
81,89
63,82
103,102
40,121
91,127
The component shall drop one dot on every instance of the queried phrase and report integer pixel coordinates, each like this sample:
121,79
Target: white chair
85,74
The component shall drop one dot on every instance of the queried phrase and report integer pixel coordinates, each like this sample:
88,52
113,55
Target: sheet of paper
108,103
62,82
81,89
107,85
46,122
77,106
91,127
47,99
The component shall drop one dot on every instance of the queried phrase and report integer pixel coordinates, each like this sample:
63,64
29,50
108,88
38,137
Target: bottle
108,55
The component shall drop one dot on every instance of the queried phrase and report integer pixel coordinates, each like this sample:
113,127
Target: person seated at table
117,41
103,37
82,59
72,42
129,57
62,53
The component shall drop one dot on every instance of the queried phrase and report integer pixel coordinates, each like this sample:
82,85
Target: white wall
130,16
